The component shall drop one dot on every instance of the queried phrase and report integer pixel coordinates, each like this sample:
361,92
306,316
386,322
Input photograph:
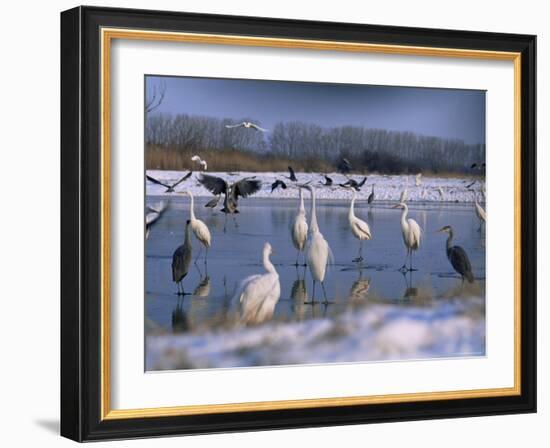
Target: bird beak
441,230
396,206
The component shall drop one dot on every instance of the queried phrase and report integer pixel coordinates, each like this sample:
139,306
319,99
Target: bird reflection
359,289
180,321
203,288
298,294
410,290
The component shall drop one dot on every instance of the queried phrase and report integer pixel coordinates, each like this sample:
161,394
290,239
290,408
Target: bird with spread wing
169,187
246,125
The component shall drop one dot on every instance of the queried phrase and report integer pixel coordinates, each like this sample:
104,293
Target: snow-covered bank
375,333
386,187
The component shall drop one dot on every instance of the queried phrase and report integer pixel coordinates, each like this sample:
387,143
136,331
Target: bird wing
159,207
362,182
460,261
481,212
182,179
230,126
213,202
214,184
246,187
363,227
196,158
258,128
151,217
155,181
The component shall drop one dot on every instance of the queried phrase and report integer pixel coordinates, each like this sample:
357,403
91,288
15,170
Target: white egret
258,294
359,228
299,228
412,234
181,260
458,257
317,249
200,229
480,212
200,161
418,179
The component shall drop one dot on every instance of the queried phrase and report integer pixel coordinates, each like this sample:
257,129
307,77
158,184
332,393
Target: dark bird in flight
278,183
352,183
328,181
477,166
344,166
169,188
292,176
458,257
242,188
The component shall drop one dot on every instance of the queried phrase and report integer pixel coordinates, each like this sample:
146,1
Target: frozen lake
236,254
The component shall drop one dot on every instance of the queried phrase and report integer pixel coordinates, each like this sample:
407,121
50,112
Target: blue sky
446,113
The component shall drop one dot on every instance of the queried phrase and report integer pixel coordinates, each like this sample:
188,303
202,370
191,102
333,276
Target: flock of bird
258,294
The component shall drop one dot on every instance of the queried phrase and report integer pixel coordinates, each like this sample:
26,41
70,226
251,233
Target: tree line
367,149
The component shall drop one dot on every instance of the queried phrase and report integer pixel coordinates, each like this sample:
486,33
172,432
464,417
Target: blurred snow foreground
378,332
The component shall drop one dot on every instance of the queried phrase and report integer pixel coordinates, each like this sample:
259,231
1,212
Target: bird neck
314,226
267,263
352,205
450,240
404,215
192,207
187,233
301,209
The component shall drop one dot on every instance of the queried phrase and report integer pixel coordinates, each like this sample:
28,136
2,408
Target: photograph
291,223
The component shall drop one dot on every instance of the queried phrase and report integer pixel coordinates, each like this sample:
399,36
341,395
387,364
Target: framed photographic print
275,224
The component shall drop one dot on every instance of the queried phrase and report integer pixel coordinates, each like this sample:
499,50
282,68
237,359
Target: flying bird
169,187
212,203
352,183
258,294
412,234
200,161
246,125
359,228
278,183
292,176
328,181
181,260
299,228
344,166
458,257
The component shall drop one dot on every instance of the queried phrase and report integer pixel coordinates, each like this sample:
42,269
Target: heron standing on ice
258,294
199,228
458,257
181,260
317,250
411,234
300,228
359,228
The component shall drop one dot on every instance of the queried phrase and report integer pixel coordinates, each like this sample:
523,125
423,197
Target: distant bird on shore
480,166
344,166
404,195
359,228
181,260
246,125
418,179
278,183
371,195
299,228
169,187
458,257
200,161
257,295
412,234
328,181
153,214
292,176
441,193
242,188
471,184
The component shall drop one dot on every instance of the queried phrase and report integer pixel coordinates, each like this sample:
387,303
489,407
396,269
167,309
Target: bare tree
154,100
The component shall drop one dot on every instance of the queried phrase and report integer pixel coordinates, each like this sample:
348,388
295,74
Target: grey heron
169,187
181,260
328,181
458,256
370,199
292,176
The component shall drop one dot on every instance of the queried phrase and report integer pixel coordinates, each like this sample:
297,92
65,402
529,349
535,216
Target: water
236,254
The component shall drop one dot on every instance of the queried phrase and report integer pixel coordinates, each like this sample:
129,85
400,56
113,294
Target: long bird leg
198,255
225,223
206,257
326,302
235,222
297,257
411,266
404,267
312,302
360,253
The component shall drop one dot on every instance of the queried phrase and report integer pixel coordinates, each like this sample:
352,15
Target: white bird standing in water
359,228
299,228
418,179
258,294
480,212
411,234
199,228
317,250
